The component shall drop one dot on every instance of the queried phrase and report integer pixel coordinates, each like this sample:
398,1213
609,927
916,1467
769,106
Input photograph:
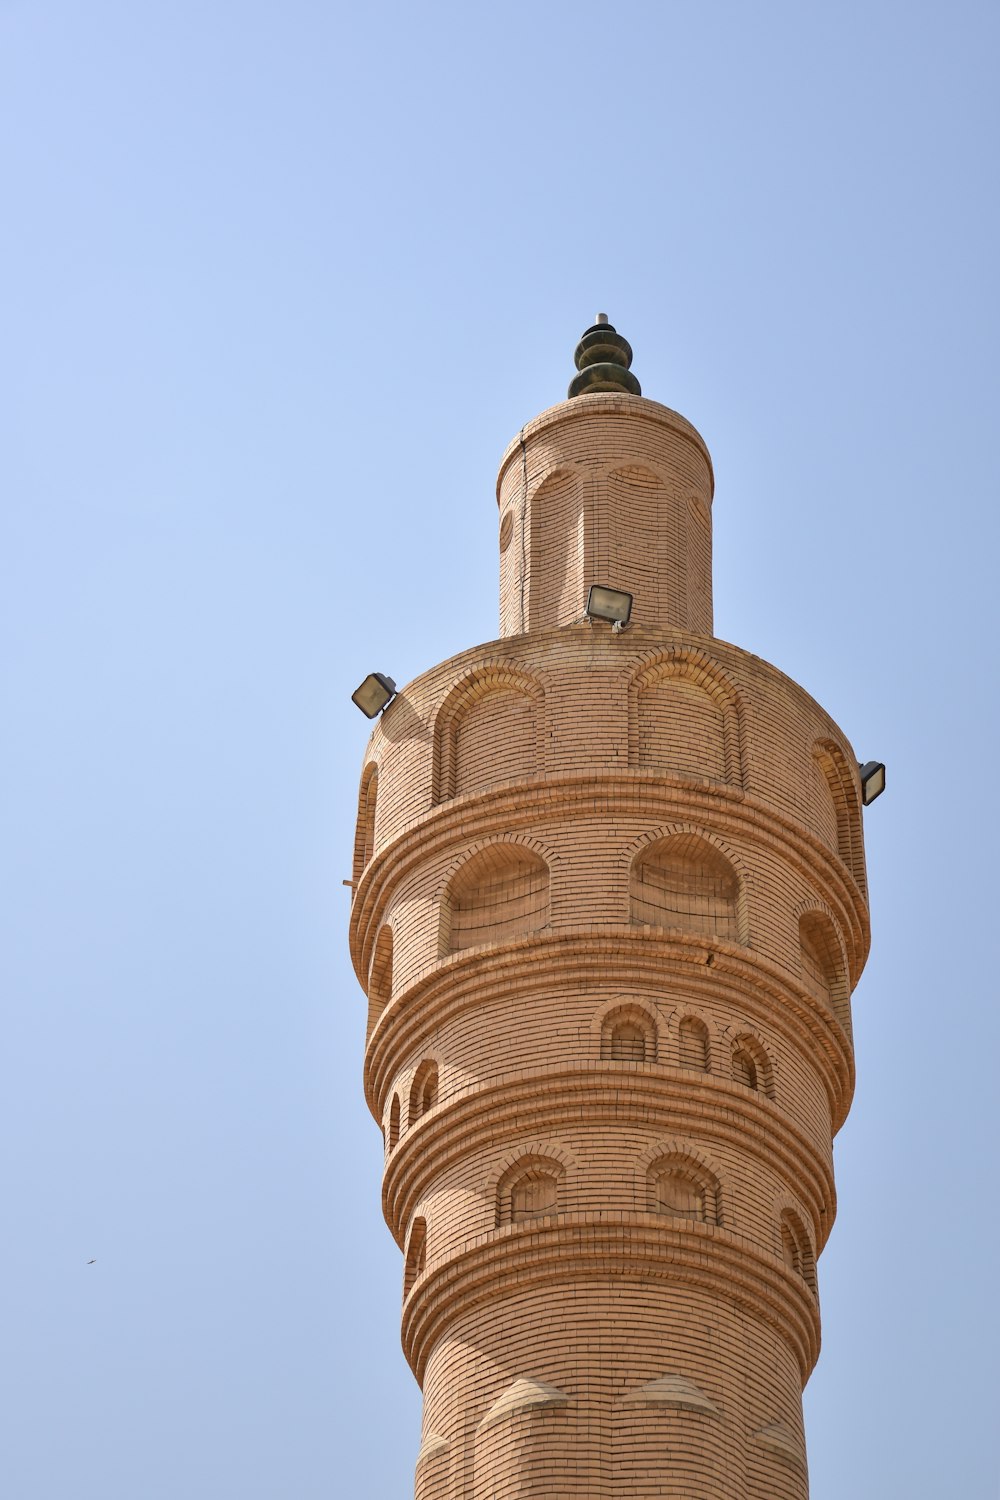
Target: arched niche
685,716
751,1065
380,977
693,1045
681,1187
685,881
555,582
487,731
364,833
699,565
644,550
530,1189
499,894
796,1247
839,807
824,968
394,1113
424,1090
416,1255
628,1034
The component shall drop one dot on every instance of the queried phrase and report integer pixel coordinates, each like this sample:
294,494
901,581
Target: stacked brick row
609,908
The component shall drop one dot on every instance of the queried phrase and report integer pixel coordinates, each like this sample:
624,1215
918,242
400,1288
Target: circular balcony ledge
574,1248
521,806
740,977
703,1107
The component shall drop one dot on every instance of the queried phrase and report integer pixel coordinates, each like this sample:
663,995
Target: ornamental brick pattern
609,908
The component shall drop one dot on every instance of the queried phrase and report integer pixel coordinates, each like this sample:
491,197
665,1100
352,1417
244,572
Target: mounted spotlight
375,693
612,605
872,775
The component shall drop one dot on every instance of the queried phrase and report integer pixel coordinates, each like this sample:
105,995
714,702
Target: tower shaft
609,909
612,488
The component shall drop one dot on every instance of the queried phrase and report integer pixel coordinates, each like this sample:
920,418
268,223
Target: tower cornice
610,405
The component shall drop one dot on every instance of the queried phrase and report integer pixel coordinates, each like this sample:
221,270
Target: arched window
796,1248
694,1049
752,1066
684,881
380,977
394,1123
499,894
416,1255
529,1190
424,1093
682,1188
823,967
364,835
628,1035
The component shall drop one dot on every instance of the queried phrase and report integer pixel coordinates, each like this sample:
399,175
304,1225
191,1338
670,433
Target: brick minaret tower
609,908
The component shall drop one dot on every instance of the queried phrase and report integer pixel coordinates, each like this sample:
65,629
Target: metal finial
603,358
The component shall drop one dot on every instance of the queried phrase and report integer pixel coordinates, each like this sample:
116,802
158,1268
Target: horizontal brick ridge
671,1101
662,799
656,962
576,1249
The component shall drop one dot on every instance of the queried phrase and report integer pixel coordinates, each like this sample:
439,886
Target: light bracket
872,775
375,694
613,605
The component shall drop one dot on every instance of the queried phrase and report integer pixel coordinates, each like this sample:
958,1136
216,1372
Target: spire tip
603,358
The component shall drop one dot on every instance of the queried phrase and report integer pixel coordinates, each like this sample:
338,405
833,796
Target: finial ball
602,358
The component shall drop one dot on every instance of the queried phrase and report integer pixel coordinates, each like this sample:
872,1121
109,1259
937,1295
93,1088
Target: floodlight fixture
375,693
872,775
613,605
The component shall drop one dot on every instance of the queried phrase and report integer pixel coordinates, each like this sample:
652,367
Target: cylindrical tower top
607,488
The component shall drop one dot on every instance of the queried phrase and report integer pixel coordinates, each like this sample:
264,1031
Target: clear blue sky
281,282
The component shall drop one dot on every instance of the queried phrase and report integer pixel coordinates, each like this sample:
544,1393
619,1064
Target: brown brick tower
609,909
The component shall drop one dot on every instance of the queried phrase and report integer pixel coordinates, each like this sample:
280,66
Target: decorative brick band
624,408
576,1248
737,975
672,1101
666,798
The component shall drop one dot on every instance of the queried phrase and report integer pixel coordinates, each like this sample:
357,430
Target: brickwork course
609,908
